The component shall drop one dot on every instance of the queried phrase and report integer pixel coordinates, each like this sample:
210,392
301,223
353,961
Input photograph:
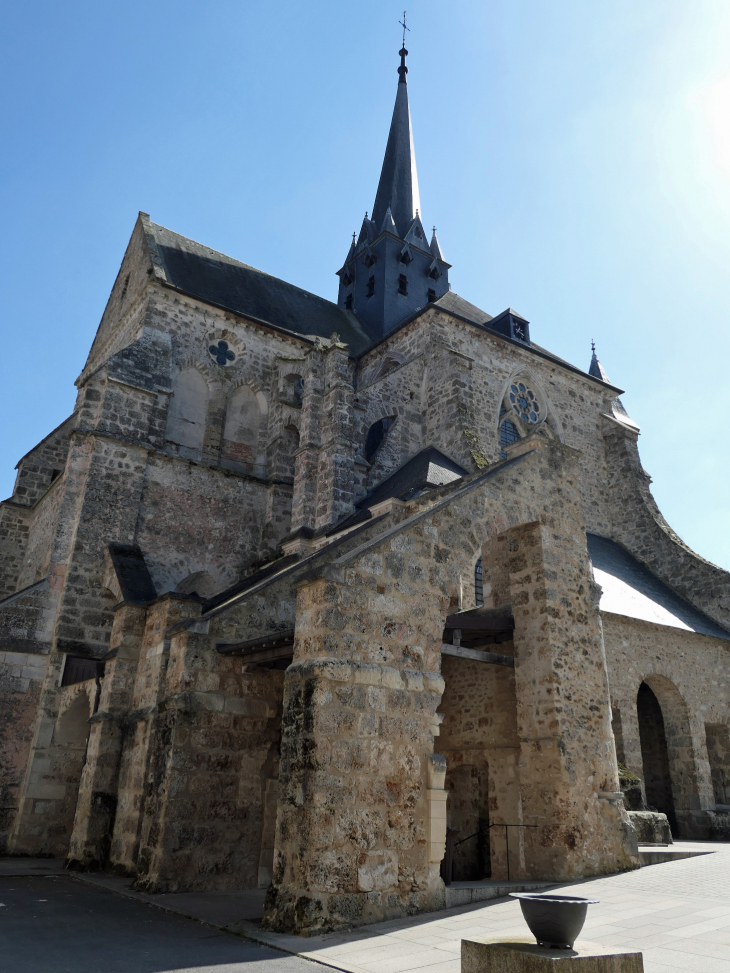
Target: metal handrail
497,824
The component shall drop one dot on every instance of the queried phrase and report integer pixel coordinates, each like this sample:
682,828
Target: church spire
398,186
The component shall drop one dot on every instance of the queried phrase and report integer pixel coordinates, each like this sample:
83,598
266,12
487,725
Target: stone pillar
215,735
357,835
140,738
568,775
304,500
336,468
97,800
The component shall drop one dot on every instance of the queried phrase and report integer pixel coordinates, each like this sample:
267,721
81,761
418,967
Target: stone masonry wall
473,378
678,666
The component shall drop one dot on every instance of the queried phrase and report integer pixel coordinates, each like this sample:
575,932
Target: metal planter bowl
554,920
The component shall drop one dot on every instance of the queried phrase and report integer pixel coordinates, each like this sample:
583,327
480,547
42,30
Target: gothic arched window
508,434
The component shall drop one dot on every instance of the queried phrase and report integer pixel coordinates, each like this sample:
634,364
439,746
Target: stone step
464,893
657,856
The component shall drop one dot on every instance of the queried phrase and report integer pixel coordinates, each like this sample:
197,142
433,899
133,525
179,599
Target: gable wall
456,375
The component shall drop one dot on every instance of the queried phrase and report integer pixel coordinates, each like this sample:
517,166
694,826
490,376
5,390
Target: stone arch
188,410
670,771
246,416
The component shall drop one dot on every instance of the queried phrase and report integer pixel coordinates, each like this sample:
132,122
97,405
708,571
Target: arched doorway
655,755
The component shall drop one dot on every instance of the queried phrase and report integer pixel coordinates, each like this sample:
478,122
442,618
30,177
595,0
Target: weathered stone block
524,957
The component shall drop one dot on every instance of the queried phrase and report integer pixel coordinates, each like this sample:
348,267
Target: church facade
301,586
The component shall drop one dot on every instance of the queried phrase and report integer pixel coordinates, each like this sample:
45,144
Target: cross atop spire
403,70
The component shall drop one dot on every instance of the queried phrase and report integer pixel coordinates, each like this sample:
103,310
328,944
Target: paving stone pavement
677,914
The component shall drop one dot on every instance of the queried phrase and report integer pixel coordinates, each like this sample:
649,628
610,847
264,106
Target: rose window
524,402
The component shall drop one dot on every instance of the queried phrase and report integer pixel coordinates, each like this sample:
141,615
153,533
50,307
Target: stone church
302,586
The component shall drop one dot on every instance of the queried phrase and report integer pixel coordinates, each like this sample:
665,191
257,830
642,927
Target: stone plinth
482,956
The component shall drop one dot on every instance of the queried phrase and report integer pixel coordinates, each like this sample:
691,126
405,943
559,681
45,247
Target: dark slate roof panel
631,589
217,279
132,573
429,468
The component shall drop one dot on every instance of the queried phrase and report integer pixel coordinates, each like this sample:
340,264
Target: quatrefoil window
222,353
524,402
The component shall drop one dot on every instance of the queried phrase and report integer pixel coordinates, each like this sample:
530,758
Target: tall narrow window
348,302
376,435
402,284
508,434
431,295
478,584
371,286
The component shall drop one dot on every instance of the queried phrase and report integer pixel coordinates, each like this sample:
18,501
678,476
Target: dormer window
371,287
347,279
406,256
402,284
434,272
369,260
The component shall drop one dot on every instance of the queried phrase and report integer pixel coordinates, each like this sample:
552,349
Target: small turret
596,368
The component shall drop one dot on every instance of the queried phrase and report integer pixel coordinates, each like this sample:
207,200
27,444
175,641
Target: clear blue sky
574,155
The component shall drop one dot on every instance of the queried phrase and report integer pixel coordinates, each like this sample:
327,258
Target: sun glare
715,102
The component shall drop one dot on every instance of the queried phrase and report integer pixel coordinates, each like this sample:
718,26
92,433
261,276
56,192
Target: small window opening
478,585
402,284
124,288
508,434
371,287
434,273
348,302
376,435
55,475
431,295
405,257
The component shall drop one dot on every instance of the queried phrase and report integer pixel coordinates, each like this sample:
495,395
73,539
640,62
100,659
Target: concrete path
676,913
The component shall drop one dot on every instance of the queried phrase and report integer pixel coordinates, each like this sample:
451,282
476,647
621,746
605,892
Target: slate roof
426,470
217,279
220,280
632,590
